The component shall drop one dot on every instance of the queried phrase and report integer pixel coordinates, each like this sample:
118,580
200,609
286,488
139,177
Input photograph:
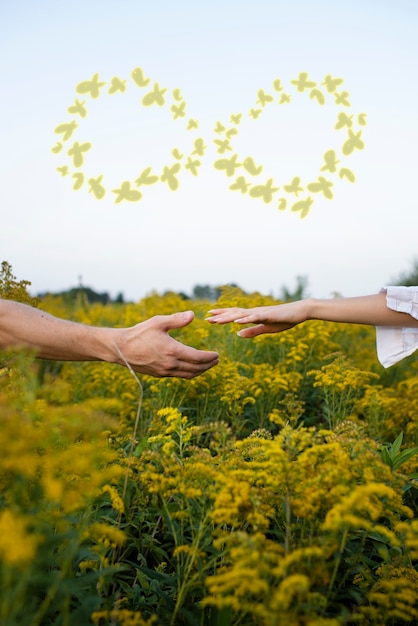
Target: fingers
196,358
224,316
253,331
185,362
179,370
191,370
176,320
187,353
261,317
179,361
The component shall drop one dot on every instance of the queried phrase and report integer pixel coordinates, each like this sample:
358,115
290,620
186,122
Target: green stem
185,578
338,561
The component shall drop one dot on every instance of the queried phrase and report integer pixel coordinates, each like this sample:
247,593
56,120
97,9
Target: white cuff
392,343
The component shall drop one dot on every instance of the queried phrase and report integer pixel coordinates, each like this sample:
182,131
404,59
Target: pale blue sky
219,54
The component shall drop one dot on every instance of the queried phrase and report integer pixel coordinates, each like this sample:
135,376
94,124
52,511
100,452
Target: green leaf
396,445
404,456
386,457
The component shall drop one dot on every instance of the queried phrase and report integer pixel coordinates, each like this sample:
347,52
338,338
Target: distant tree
11,289
205,292
299,292
81,295
177,294
209,292
409,278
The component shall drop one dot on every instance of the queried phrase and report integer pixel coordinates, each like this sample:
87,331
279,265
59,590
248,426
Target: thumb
178,320
251,331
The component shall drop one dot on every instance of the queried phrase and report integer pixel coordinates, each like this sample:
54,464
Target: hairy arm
147,346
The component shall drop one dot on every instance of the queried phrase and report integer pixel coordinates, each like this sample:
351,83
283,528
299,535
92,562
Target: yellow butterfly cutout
126,193
303,206
342,98
236,118
138,77
251,167
332,83
354,141
77,152
79,180
116,84
231,132
223,145
66,129
282,204
302,82
57,148
63,170
96,187
255,113
229,165
192,165
92,86
240,185
323,185
348,174
178,110
177,154
318,96
343,120
78,108
145,178
199,147
156,96
264,191
277,85
169,176
263,98
293,187
331,161
191,124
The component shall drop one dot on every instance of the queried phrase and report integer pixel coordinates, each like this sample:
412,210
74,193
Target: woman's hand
267,319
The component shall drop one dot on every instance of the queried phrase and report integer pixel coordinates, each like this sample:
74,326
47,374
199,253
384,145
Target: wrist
124,345
104,345
310,308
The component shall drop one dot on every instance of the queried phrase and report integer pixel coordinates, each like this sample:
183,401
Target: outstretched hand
268,319
149,349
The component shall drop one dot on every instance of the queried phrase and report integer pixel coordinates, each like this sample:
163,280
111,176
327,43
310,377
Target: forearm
146,347
51,337
371,310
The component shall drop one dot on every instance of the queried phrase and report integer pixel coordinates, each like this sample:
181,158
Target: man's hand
146,347
149,349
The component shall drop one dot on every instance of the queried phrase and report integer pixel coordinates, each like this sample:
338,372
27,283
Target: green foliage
262,493
408,278
86,295
298,293
11,289
395,457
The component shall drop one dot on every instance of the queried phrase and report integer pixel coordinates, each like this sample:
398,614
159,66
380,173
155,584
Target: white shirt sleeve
394,344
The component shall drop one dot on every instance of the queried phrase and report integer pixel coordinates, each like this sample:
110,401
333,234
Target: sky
155,146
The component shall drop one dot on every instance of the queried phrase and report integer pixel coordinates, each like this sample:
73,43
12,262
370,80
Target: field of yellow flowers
277,489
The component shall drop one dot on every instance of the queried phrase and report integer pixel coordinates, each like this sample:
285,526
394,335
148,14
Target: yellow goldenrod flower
18,545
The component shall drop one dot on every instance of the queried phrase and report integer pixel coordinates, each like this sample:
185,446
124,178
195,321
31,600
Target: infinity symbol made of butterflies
246,175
